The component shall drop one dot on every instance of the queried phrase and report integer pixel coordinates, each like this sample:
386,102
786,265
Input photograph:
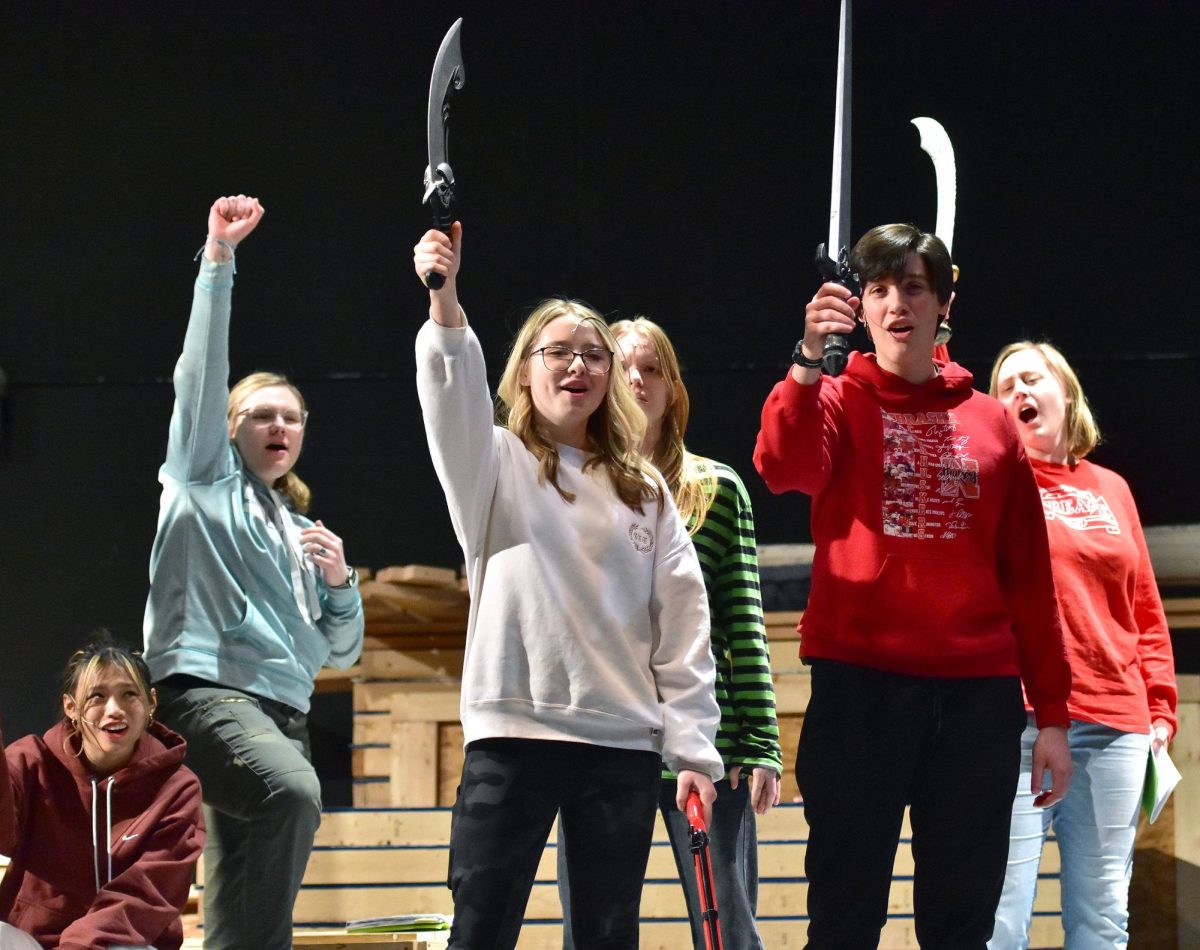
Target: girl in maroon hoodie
100,817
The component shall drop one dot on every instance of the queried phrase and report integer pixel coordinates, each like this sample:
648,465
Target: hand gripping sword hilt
439,195
836,349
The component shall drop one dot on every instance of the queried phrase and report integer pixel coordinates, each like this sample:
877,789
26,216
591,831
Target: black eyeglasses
596,361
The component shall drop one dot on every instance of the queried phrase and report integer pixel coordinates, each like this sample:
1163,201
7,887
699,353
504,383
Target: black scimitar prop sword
837,345
448,77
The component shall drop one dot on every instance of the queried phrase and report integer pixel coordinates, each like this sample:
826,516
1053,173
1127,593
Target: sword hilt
836,349
439,195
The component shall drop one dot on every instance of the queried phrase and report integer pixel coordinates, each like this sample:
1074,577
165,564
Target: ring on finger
322,552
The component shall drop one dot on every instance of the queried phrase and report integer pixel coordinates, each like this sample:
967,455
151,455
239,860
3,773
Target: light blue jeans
1095,826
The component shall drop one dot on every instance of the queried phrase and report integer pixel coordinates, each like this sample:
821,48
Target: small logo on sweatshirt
642,538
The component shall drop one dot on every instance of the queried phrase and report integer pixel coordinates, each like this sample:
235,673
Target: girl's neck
650,439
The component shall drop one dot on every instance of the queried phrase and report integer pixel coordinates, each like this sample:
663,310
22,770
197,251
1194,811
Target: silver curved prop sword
836,348
936,144
448,77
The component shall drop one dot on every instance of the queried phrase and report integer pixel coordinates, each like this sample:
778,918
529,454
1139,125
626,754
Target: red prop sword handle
704,877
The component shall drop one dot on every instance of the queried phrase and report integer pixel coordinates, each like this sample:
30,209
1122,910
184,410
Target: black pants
873,742
510,792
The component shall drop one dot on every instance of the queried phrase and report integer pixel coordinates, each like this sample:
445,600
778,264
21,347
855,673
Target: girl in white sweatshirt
587,661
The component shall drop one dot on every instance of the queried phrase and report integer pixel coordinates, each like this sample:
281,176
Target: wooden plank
373,728
423,865
371,762
390,664
450,761
371,795
792,692
790,725
413,776
422,575
379,827
659,900
429,702
414,634
406,602
425,702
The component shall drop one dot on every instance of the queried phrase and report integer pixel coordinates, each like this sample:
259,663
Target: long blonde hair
691,479
1083,434
615,428
289,485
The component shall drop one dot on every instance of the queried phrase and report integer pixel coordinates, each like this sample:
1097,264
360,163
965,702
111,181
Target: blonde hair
615,428
1083,434
691,479
289,485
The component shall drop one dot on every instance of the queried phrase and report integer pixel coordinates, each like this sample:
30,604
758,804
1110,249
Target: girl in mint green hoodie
248,600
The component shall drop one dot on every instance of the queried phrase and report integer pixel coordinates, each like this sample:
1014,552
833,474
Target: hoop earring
943,333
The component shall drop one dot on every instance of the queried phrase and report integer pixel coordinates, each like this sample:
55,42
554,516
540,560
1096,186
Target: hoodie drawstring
108,828
96,830
95,843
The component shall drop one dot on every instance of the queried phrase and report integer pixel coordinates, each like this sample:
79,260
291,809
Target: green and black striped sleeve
749,734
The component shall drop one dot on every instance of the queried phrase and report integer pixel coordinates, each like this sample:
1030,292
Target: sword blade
448,76
839,199
936,144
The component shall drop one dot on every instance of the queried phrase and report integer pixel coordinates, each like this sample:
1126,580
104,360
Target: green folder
1161,779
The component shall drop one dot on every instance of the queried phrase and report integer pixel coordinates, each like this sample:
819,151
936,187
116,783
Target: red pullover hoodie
97,862
931,553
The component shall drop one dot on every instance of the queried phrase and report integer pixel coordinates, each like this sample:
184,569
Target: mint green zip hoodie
221,604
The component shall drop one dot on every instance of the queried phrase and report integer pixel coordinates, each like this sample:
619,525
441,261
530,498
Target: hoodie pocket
945,600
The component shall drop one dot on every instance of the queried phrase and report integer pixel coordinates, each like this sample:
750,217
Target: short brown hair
883,252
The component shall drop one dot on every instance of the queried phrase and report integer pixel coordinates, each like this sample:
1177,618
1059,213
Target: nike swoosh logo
130,837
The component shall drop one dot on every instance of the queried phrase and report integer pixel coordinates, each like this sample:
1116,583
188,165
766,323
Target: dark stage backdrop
665,158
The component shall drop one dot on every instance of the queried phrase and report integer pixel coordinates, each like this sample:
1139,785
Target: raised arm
198,443
442,254
452,385
798,436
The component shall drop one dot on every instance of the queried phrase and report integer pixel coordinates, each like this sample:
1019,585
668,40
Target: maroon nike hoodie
98,861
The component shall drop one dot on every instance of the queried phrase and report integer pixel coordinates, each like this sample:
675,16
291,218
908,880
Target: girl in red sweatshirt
100,817
1123,673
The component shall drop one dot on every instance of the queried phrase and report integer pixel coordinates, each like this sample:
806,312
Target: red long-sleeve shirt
931,552
1123,669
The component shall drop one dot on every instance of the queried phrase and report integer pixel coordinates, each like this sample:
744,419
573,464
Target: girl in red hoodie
932,598
99,816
